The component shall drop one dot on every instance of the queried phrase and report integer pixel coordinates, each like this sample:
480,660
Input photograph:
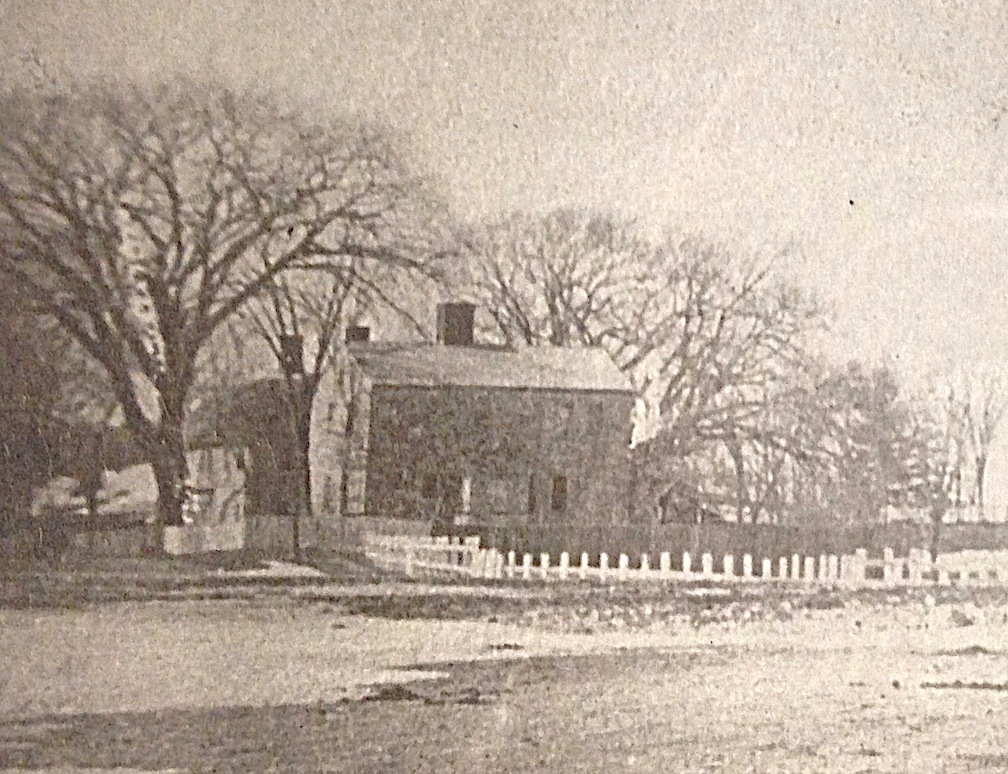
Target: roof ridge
543,367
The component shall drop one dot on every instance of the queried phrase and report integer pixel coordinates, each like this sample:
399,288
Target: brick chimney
455,323
357,333
292,354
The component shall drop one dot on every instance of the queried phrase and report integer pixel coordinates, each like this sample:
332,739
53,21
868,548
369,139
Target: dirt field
280,684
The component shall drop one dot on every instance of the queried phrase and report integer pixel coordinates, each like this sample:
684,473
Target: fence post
512,560
809,568
888,570
603,565
624,563
767,569
914,571
919,559
645,563
782,570
822,567
444,542
832,568
687,563
665,562
860,565
729,566
707,562
544,564
584,565
795,567
746,565
564,565
526,566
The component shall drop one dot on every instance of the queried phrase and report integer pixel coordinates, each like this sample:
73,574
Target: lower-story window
558,498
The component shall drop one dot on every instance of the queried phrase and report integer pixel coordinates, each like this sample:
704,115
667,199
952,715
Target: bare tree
302,317
940,423
143,221
983,404
707,340
948,413
28,407
566,279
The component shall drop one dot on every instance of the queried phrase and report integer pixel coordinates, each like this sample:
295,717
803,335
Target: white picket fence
417,556
974,567
413,556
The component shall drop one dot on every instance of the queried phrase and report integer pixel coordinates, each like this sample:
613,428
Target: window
492,495
597,409
352,490
327,495
558,500
344,493
559,416
350,421
430,486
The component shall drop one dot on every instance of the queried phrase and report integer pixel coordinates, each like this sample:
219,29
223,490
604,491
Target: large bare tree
708,341
143,220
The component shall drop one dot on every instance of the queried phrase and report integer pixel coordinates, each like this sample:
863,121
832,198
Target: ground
364,676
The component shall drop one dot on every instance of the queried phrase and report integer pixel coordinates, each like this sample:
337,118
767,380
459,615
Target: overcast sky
871,137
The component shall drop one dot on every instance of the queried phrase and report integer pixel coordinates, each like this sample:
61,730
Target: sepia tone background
865,140
865,143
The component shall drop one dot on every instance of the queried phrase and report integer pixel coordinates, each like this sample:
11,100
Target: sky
866,139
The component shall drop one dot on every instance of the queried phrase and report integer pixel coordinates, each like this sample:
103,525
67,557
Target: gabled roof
532,368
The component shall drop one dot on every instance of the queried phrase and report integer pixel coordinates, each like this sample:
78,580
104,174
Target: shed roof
532,368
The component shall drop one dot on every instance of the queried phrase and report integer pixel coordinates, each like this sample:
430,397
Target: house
243,482
456,431
407,434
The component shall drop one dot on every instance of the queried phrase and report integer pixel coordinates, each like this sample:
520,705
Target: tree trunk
170,473
940,504
742,491
303,511
169,459
937,519
981,476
